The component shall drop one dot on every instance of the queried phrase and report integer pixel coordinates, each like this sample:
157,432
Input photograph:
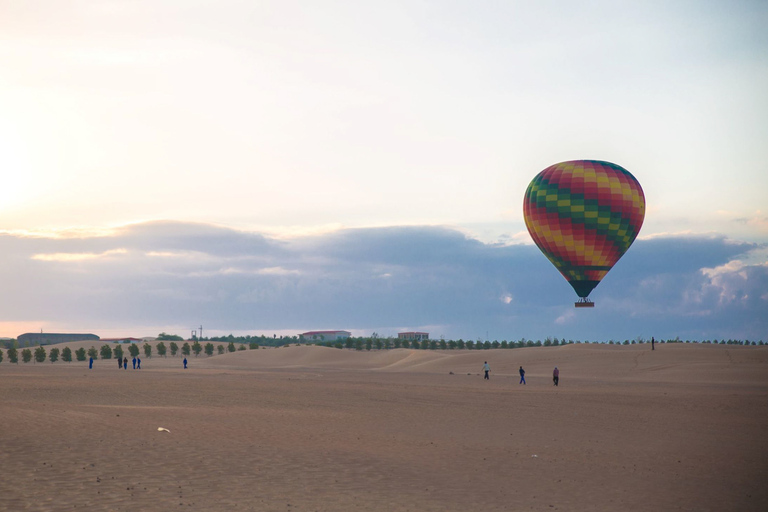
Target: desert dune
313,428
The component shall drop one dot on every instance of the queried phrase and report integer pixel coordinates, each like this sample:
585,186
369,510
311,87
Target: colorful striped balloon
584,215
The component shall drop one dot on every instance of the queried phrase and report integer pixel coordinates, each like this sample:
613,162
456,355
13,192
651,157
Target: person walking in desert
522,375
556,376
486,369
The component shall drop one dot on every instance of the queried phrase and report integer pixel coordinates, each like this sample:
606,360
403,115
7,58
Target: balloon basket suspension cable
584,303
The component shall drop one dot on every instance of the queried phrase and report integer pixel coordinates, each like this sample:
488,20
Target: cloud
67,256
184,274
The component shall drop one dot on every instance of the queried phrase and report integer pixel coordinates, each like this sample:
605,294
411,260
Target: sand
684,427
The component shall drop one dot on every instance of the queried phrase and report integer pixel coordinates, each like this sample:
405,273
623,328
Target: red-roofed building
324,335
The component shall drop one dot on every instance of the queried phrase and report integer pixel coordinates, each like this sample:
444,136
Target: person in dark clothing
185,363
556,376
125,363
90,363
138,363
653,341
522,375
134,363
119,363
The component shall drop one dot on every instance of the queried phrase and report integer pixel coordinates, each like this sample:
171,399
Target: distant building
413,336
47,338
324,335
123,340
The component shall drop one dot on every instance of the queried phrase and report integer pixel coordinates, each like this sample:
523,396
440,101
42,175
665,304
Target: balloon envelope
584,215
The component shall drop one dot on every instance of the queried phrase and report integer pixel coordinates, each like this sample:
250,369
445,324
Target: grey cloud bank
166,274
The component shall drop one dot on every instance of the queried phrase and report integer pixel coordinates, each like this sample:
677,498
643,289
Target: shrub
185,349
133,349
161,349
26,355
220,349
1,356
231,346
13,355
118,351
92,352
174,348
106,352
241,347
40,354
148,350
251,346
80,354
54,355
209,349
197,348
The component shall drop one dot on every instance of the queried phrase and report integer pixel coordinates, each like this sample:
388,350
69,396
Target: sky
277,167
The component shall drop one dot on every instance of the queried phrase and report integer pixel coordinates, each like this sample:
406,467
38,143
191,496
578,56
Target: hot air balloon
584,215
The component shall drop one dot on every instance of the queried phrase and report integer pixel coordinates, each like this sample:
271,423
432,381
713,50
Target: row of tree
116,351
389,343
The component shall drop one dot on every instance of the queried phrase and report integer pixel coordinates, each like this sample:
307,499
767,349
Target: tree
379,344
169,337
197,348
241,347
368,344
26,355
118,351
406,344
185,349
174,348
92,352
253,346
133,349
220,349
460,344
40,354
231,346
54,355
161,349
13,355
209,349
148,350
470,345
1,356
106,351
80,354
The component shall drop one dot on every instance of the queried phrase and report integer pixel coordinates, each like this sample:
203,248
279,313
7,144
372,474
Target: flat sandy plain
311,428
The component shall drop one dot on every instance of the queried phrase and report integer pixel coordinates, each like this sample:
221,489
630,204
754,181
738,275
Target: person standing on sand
125,363
522,375
134,363
138,363
185,363
90,363
486,369
119,363
556,376
652,343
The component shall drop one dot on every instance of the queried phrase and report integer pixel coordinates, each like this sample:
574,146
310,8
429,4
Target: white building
413,336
